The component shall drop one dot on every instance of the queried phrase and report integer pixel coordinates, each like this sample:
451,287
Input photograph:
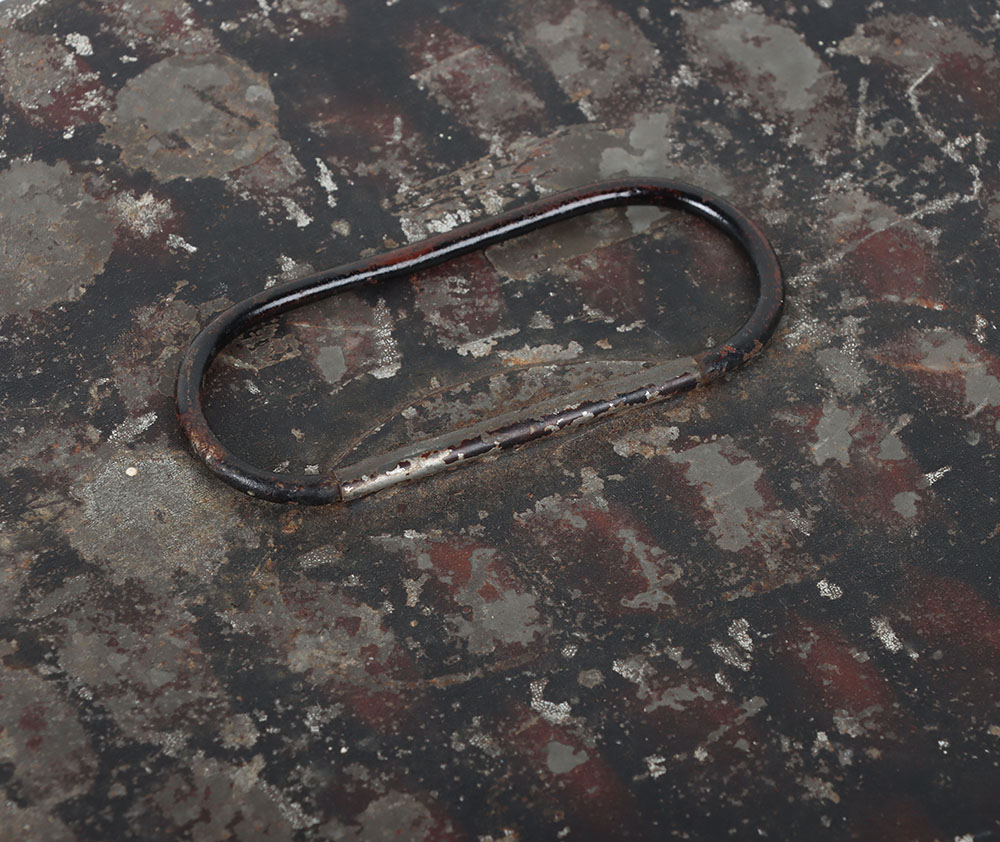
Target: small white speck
829,590
540,321
821,742
630,327
731,656
79,44
656,764
130,428
131,471
295,212
68,134
326,182
541,353
700,754
934,476
176,242
386,350
979,331
883,631
482,346
739,630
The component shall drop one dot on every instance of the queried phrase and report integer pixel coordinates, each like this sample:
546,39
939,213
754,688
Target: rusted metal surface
768,610
423,459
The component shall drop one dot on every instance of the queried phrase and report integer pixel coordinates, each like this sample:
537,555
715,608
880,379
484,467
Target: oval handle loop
428,457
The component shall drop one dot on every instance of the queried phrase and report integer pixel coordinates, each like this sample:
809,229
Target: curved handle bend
423,458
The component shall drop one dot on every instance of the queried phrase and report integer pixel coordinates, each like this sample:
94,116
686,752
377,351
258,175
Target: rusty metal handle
428,457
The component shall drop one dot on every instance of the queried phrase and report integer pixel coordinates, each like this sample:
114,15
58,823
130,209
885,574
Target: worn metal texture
431,456
768,609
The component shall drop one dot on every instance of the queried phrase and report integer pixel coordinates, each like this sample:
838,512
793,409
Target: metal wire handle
428,457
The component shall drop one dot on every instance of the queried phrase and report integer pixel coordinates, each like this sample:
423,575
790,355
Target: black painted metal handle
423,458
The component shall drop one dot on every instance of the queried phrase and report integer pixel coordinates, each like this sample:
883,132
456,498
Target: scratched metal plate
769,609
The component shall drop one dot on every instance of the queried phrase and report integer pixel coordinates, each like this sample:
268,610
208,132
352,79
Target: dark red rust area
406,260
